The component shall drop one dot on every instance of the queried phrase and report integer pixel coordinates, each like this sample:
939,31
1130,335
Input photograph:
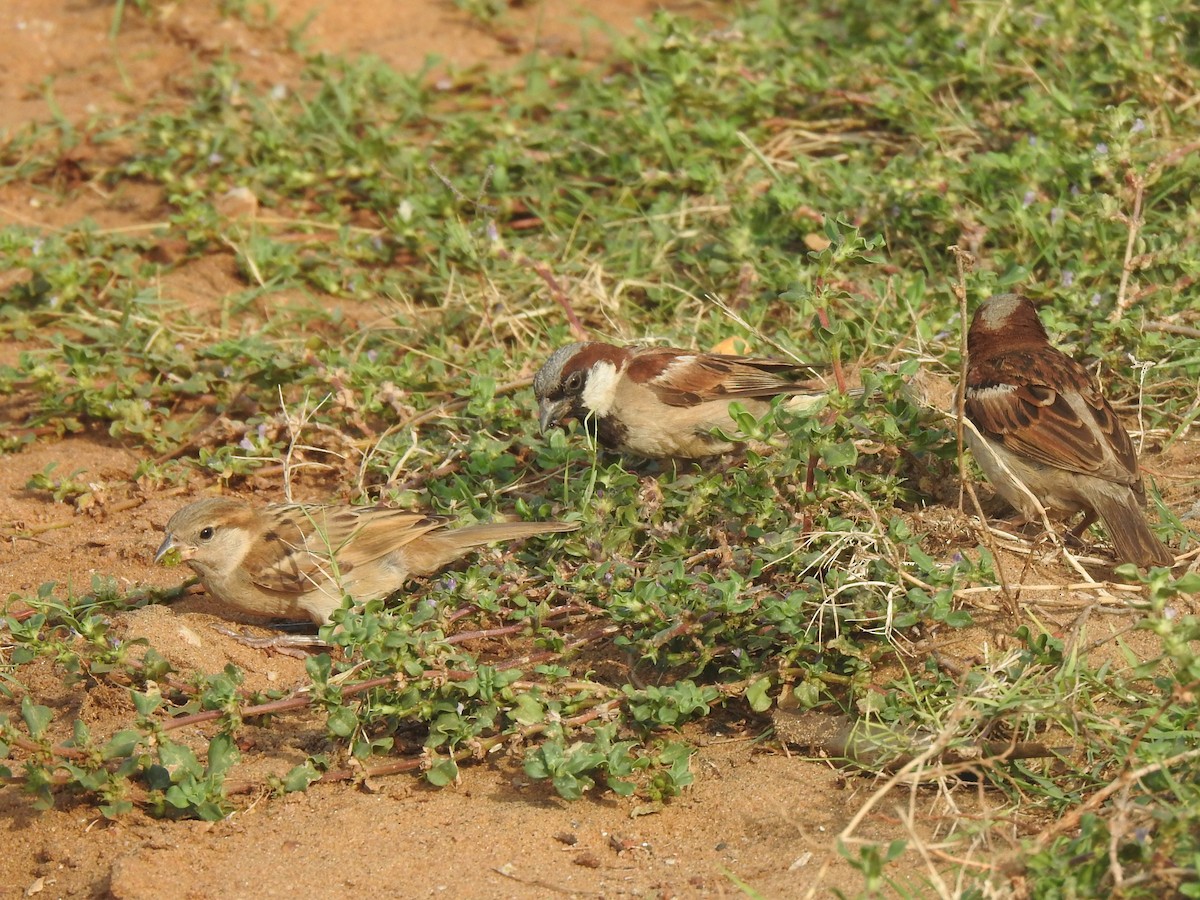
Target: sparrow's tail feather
1130,534
474,535
435,550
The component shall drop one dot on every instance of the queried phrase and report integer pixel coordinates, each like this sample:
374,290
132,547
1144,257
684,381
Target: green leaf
840,456
179,761
620,788
571,787
121,744
300,777
222,754
757,696
1015,274
342,721
1188,584
443,773
80,736
37,718
145,703
116,809
527,709
157,778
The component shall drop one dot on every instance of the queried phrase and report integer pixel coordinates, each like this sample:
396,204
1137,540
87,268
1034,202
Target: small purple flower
372,355
215,159
1096,298
245,444
1030,196
956,558
262,429
449,583
1056,215
608,578
1068,278
1074,190
1102,149
1139,125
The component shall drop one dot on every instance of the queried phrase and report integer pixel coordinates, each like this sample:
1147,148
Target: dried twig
1134,224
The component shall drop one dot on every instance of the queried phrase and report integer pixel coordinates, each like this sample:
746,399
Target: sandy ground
755,814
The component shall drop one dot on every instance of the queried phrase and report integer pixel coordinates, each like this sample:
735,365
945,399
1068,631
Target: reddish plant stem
395,767
275,706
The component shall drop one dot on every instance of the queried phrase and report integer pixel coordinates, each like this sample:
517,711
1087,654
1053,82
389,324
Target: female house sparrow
287,560
1039,413
658,401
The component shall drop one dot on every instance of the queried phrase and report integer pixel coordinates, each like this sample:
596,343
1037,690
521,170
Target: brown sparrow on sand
1038,412
291,560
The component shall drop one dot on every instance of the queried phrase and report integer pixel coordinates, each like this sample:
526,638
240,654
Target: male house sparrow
1039,413
288,560
658,401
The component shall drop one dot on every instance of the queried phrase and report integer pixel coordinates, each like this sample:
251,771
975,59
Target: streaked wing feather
698,378
308,535
1037,421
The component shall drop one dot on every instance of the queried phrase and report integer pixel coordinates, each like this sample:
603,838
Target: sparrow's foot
295,645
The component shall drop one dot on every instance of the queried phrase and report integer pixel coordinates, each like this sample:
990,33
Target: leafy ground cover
836,183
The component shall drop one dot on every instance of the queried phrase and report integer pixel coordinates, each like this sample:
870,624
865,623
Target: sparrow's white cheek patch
601,388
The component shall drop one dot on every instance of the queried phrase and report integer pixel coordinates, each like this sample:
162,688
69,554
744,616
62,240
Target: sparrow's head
576,381
210,535
1004,322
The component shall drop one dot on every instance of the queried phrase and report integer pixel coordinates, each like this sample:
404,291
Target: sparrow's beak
552,413
169,544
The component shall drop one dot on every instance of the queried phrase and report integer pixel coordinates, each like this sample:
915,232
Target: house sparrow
287,560
1038,412
658,401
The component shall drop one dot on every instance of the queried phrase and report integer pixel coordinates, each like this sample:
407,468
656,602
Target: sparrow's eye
207,532
575,381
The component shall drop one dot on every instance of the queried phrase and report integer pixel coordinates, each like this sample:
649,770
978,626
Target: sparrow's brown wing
1041,404
679,378
308,544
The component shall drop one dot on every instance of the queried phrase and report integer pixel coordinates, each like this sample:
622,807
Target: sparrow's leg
295,645
1088,518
